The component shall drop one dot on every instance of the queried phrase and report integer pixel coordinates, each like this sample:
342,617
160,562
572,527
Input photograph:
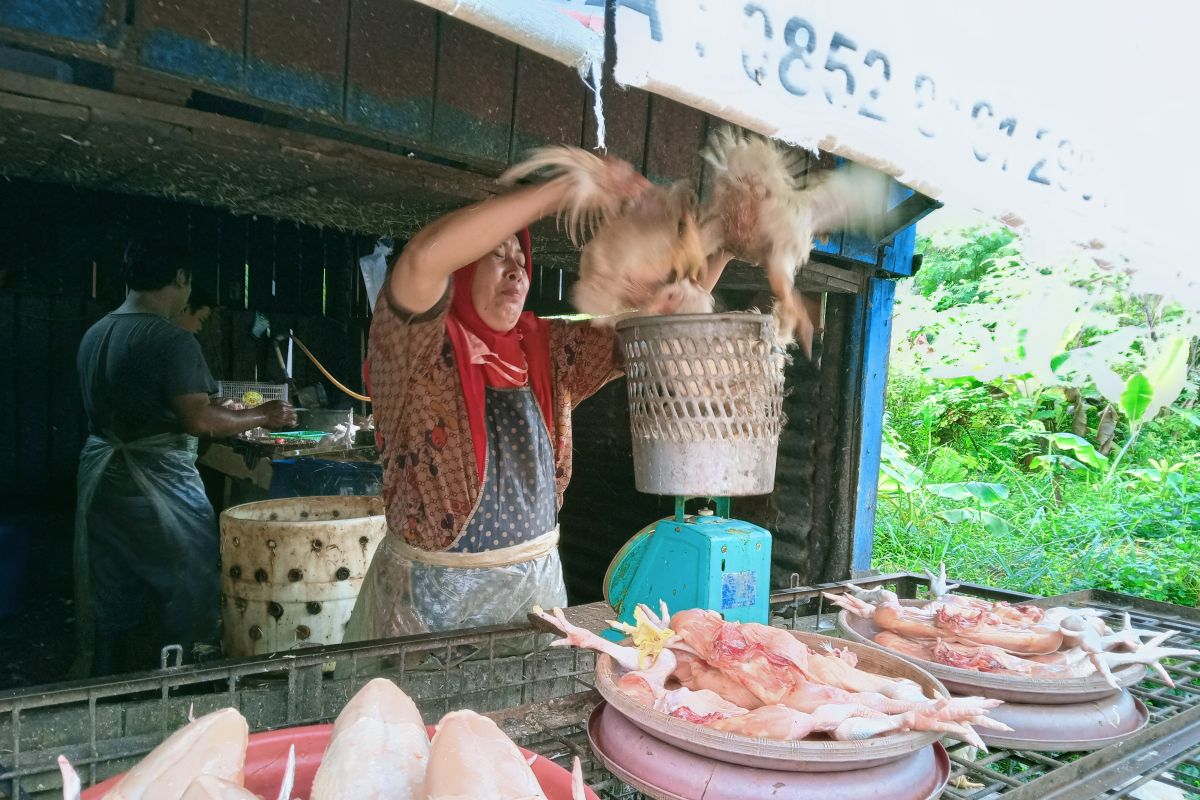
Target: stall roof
1042,117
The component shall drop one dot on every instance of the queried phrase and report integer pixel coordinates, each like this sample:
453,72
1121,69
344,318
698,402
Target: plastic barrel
291,570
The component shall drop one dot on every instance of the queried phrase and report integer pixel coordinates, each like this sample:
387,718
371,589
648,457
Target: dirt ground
36,640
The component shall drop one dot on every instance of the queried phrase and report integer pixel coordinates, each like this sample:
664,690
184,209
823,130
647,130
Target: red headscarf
485,357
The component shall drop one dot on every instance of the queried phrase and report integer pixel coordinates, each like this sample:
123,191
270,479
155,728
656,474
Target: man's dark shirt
130,368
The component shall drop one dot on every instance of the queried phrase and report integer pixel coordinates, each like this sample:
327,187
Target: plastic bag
143,524
400,597
374,268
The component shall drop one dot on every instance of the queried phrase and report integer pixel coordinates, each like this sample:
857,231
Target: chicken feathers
762,211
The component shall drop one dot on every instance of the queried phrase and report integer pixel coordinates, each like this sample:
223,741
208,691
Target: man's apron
146,545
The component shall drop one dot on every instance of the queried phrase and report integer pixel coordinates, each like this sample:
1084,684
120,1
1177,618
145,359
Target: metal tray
1068,727
807,755
663,771
1010,688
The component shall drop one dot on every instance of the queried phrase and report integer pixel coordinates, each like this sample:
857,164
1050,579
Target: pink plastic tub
267,753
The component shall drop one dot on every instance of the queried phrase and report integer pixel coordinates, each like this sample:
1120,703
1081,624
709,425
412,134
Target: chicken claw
937,583
575,636
1150,654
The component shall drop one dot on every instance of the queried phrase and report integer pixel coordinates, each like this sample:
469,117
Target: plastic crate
236,390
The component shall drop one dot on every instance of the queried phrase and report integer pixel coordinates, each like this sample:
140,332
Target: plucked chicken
762,681
378,750
213,745
471,758
996,637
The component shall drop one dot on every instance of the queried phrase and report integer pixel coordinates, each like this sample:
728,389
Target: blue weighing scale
705,560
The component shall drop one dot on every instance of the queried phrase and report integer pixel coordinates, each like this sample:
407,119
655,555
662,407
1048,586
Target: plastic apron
146,542
409,591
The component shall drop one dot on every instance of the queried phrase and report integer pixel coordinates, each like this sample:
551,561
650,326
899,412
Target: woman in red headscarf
472,398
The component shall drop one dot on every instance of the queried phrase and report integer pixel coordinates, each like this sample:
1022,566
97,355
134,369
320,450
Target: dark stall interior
279,186
60,273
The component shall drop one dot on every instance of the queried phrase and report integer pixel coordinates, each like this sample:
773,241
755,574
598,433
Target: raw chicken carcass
378,750
213,745
471,758
941,620
202,787
996,637
729,668
761,211
206,787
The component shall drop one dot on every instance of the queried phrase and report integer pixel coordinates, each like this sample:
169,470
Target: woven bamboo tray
814,754
1010,688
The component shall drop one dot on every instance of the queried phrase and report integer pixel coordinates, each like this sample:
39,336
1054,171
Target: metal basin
1009,688
663,771
816,754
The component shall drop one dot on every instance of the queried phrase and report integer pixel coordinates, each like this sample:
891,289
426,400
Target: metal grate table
543,699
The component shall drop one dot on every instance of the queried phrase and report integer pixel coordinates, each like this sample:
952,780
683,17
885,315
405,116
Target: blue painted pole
877,338
875,313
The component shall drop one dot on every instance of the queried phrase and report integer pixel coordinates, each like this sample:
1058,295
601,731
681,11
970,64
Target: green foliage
956,270
1042,429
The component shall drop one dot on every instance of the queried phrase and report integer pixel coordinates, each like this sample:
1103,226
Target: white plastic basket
705,402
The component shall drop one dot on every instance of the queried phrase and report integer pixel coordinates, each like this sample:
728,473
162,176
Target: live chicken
644,252
761,211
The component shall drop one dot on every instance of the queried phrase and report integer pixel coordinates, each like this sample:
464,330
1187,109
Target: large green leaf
957,515
994,525
1084,450
1136,398
1167,373
985,494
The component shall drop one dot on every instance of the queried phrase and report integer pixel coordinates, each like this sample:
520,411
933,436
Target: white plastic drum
291,570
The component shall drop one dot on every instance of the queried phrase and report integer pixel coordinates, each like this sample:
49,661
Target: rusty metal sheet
198,40
474,100
296,53
674,139
391,65
549,105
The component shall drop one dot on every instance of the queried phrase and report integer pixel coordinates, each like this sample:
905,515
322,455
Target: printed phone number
852,76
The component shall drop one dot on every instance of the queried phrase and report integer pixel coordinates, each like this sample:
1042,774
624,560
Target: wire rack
542,700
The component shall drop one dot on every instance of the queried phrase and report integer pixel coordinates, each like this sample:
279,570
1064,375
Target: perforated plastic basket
705,402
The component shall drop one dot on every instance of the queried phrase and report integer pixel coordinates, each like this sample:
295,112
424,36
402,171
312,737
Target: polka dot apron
517,501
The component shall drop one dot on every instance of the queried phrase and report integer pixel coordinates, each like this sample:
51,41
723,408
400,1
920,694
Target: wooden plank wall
53,235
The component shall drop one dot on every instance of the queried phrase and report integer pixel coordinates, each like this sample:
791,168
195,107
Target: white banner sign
1035,116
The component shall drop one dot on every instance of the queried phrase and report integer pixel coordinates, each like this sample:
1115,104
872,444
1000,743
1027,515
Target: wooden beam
98,139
